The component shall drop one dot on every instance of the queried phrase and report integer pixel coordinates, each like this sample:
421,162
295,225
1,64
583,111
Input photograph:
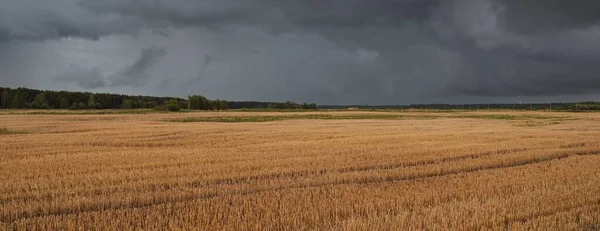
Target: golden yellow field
300,171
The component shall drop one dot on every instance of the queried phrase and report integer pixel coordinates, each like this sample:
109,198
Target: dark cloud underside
338,51
137,74
87,79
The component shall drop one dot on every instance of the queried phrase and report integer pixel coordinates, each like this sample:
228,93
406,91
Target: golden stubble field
413,171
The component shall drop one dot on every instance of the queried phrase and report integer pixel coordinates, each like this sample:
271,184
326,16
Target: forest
25,98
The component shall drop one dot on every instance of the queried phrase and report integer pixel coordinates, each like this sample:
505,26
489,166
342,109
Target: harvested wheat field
300,171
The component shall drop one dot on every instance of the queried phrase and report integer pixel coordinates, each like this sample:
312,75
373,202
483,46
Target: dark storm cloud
528,47
166,82
208,59
345,51
85,78
137,74
550,15
336,14
95,18
35,20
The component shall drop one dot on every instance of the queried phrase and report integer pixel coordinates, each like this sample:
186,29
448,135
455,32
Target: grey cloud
339,51
35,20
335,14
208,60
85,78
137,74
161,31
528,17
95,18
499,59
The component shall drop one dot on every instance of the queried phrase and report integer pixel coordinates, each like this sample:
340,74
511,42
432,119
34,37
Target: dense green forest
202,103
25,98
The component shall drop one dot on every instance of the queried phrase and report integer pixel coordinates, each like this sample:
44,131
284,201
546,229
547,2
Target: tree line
199,102
25,98
202,103
579,106
271,105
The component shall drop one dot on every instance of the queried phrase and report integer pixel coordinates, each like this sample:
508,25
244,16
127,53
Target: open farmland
300,171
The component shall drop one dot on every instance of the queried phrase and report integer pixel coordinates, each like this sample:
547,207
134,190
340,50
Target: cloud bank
337,51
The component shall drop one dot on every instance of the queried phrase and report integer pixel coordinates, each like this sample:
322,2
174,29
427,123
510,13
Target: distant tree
39,102
126,104
16,101
5,99
74,106
198,102
223,105
40,99
92,102
140,104
214,104
191,102
307,106
81,105
151,104
181,103
64,103
172,105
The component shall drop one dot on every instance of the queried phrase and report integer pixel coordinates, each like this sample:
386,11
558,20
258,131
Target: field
300,171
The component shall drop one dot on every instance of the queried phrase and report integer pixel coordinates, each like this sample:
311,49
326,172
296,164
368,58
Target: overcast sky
323,51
